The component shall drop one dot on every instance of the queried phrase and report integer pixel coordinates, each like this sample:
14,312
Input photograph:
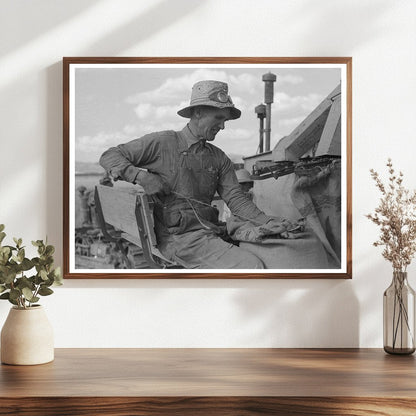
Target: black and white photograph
213,168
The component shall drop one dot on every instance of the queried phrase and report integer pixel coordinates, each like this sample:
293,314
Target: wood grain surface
212,381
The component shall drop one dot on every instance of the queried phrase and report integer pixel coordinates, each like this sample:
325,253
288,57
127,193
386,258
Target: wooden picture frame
299,157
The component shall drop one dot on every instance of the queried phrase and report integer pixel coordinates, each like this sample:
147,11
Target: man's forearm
244,208
114,162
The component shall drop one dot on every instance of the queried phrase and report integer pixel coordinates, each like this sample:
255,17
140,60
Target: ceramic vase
27,337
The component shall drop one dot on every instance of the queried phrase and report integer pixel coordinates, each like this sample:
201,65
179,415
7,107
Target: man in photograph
182,171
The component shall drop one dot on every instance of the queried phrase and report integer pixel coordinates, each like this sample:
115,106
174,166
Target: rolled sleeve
125,161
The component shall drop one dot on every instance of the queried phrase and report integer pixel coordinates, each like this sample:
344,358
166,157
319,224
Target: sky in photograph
116,105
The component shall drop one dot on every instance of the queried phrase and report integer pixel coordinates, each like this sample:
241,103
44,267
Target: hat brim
187,111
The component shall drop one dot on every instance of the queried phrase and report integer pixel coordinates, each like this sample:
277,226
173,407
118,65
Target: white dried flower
396,216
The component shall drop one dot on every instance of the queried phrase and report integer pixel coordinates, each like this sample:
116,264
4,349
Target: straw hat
211,94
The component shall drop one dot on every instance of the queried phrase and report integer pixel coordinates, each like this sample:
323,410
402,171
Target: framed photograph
207,167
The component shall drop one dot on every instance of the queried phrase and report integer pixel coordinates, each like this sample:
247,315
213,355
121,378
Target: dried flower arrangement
396,216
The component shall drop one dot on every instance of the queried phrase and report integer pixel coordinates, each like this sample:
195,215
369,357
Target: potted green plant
27,336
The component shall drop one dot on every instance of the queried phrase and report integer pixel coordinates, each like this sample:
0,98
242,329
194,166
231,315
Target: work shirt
194,172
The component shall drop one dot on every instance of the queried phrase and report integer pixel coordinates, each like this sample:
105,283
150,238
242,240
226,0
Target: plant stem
394,314
402,314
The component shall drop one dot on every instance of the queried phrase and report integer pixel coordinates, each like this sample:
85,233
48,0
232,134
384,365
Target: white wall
380,35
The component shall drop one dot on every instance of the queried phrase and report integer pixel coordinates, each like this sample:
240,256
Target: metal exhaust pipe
260,110
269,79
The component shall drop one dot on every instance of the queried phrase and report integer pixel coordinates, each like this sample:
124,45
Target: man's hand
286,228
152,184
276,225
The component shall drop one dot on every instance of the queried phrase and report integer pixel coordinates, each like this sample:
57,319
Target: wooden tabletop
235,381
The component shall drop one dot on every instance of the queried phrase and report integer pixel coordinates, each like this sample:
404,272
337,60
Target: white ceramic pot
27,337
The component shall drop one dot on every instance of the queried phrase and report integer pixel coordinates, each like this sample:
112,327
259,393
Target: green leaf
2,288
32,299
8,277
47,260
18,242
15,294
21,255
37,243
45,291
13,267
55,277
58,276
38,280
27,293
49,250
56,272
26,264
24,282
2,236
2,227
43,275
49,282
5,250
4,255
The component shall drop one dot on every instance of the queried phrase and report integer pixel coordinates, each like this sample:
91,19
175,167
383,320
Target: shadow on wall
157,18
337,18
283,313
37,17
54,167
301,313
147,24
